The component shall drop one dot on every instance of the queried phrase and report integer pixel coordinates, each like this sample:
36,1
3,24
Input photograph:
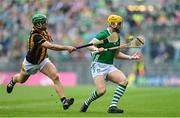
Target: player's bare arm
135,56
57,47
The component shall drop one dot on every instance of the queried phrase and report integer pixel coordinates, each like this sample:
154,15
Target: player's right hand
136,56
71,49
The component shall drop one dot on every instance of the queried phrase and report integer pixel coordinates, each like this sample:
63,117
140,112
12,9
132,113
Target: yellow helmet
114,19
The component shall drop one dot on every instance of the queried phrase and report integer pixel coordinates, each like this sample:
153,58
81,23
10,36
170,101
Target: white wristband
129,57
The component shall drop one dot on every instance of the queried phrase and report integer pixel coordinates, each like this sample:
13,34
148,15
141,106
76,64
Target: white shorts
101,69
30,68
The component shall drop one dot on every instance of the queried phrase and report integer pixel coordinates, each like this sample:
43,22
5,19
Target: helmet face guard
115,22
41,25
116,26
39,21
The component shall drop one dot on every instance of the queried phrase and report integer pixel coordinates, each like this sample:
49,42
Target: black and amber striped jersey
36,53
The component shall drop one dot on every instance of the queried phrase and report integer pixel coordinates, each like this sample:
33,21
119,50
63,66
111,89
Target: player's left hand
136,56
100,49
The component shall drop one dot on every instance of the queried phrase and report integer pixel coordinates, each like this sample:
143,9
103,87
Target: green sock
92,97
117,94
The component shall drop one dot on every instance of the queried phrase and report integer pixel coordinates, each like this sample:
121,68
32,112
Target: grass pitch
43,102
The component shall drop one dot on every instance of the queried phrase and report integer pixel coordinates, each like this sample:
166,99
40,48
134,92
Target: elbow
116,56
51,46
47,45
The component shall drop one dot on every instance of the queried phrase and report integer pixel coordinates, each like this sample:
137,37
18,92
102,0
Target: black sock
12,81
62,99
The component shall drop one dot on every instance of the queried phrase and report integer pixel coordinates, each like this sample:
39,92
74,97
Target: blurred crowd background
76,22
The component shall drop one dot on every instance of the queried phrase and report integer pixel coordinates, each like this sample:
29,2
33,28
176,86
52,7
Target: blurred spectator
75,22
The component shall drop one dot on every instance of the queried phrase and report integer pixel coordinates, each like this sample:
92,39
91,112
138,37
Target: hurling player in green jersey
37,59
102,66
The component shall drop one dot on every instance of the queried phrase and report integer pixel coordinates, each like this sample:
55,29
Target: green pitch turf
43,102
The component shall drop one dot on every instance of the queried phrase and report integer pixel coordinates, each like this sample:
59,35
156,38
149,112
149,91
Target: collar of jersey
109,31
41,32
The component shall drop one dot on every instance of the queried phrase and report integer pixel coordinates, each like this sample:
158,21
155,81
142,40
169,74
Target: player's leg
119,78
101,89
17,78
50,70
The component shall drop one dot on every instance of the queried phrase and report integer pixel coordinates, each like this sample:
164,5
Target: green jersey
106,57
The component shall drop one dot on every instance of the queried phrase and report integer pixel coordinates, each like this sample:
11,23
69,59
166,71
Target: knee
55,77
22,81
101,91
123,82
